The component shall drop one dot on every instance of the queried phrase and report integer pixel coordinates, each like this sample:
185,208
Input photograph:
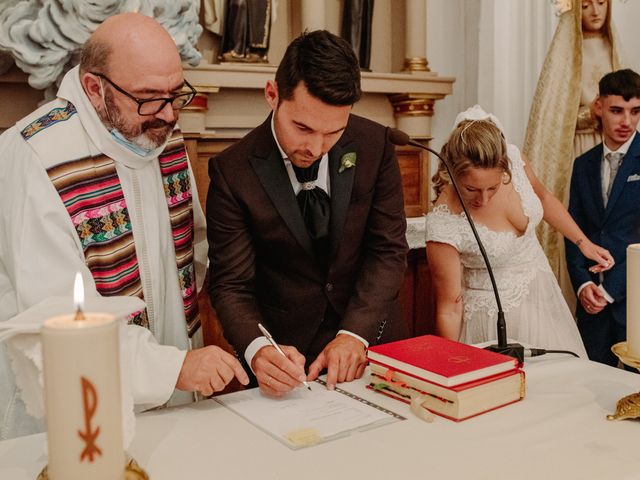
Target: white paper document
303,418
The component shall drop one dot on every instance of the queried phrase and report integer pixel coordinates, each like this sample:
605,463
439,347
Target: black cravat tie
315,206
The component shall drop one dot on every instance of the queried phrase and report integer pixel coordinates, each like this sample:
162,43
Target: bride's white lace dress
535,310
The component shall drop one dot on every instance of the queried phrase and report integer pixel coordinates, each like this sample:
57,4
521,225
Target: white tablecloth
558,431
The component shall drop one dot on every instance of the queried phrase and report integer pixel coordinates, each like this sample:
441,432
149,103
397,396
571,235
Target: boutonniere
348,160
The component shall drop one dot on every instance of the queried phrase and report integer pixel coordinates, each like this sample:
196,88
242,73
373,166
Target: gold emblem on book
459,359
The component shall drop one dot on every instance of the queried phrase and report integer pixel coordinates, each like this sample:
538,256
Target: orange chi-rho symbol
90,404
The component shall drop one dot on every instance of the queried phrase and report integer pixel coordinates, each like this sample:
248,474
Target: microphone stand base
514,350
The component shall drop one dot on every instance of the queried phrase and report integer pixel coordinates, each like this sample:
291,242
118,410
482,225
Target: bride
507,202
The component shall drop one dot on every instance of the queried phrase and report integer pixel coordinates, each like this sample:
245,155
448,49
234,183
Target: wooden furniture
200,149
414,168
417,294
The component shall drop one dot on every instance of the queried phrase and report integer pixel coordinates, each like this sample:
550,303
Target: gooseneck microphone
400,138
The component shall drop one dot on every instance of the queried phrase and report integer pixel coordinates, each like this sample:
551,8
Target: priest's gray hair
94,57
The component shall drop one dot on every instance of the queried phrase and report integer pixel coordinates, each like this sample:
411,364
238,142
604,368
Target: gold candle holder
629,406
132,471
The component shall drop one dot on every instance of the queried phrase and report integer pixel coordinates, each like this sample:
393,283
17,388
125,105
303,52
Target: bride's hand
598,254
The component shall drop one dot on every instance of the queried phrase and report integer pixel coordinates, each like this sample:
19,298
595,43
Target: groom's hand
344,358
278,374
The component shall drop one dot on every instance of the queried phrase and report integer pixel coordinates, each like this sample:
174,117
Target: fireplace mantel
231,99
249,76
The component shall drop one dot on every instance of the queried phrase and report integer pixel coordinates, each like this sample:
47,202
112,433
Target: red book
455,403
441,361
451,379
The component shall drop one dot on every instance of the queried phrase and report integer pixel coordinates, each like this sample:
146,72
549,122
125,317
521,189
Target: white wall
495,49
451,51
513,42
626,18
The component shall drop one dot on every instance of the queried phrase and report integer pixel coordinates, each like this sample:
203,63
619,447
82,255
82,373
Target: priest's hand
344,358
278,374
208,370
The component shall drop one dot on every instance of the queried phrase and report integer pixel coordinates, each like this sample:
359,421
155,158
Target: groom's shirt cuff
253,348
347,332
581,287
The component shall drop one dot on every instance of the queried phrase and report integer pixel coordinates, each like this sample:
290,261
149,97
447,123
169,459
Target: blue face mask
129,145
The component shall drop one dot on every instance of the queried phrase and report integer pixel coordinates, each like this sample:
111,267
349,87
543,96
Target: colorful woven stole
92,194
174,167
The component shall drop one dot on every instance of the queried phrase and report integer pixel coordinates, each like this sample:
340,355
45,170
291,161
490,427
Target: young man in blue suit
605,190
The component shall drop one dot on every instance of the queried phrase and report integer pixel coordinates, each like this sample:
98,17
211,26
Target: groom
605,188
306,225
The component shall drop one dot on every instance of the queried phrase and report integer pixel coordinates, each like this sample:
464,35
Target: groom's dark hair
327,66
624,83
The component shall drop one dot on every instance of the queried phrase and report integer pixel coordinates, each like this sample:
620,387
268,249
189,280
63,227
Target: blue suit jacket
613,227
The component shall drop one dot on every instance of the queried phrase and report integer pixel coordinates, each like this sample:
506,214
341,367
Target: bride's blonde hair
472,143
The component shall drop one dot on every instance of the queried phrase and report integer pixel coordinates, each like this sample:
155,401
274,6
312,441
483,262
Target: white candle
82,397
633,300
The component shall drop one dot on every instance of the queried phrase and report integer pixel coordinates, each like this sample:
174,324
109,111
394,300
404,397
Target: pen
266,333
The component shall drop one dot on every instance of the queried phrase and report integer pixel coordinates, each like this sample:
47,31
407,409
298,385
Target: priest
98,181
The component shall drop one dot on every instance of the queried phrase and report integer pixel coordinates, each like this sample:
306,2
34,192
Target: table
558,431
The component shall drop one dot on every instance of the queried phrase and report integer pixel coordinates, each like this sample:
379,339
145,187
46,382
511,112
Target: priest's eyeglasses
152,106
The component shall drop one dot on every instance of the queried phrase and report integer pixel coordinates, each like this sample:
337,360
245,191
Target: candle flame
78,293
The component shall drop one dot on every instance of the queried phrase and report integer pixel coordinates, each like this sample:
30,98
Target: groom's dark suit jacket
613,227
262,265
